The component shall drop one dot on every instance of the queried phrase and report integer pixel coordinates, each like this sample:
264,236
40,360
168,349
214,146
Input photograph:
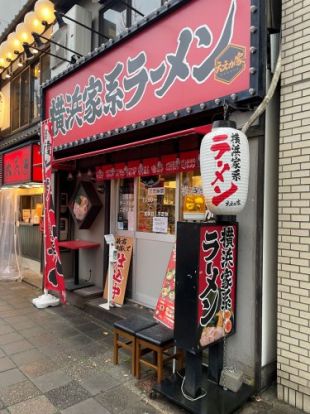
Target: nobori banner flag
53,274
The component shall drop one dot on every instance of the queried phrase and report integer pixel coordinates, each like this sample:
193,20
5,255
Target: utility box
72,36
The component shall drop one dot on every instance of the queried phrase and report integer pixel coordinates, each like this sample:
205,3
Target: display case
125,217
156,204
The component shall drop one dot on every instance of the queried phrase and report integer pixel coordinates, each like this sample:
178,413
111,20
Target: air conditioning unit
71,35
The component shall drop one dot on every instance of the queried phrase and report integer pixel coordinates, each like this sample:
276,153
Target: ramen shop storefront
148,196
133,115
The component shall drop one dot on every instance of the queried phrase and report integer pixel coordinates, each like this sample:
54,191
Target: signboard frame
252,93
33,170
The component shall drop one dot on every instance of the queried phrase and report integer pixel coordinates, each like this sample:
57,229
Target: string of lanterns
35,21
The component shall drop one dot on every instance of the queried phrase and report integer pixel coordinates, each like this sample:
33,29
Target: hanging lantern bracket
226,110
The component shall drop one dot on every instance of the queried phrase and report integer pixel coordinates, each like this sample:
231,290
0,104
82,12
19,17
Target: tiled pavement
58,360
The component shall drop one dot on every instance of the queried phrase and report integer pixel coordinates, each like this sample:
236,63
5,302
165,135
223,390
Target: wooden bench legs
127,341
160,356
139,347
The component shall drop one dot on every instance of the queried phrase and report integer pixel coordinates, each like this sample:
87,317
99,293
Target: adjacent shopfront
22,177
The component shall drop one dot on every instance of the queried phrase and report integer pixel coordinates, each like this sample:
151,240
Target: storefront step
128,310
80,297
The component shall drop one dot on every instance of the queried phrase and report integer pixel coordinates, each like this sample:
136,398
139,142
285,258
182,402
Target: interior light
33,23
23,34
14,43
45,11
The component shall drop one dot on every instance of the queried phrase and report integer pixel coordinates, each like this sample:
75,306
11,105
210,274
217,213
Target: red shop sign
167,164
171,164
189,161
217,281
194,61
22,165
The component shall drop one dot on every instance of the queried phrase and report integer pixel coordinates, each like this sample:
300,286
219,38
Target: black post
216,354
76,267
193,374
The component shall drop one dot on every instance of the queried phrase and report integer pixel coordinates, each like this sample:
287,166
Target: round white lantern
224,165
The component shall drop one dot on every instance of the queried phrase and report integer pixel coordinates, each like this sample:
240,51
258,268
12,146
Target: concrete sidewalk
59,360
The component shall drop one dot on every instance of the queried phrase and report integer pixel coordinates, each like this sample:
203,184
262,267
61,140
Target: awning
202,130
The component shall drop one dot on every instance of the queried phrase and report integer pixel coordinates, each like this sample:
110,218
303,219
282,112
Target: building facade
294,210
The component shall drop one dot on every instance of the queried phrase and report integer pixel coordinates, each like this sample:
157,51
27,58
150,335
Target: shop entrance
147,209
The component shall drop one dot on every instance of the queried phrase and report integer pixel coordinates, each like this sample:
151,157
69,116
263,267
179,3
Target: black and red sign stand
197,387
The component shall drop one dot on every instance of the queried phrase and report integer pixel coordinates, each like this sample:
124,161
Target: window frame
107,6
30,118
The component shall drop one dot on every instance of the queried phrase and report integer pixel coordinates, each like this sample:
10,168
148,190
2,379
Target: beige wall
294,209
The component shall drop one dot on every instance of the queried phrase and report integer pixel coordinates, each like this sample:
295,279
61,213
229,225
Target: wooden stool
125,337
157,339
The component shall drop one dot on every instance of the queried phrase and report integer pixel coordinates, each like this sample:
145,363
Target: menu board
164,311
123,246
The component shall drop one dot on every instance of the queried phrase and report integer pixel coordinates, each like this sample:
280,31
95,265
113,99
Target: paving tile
31,332
99,383
37,405
10,337
87,406
38,368
77,340
118,399
45,339
5,364
16,393
51,380
13,376
4,329
142,408
27,356
67,395
15,347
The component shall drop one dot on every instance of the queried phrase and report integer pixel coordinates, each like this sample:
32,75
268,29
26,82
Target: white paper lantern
224,165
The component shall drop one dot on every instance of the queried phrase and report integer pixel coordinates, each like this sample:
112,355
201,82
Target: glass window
125,217
15,102
25,97
116,15
156,204
45,68
35,89
193,205
144,7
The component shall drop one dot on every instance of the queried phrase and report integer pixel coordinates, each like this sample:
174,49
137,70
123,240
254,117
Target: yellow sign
121,270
